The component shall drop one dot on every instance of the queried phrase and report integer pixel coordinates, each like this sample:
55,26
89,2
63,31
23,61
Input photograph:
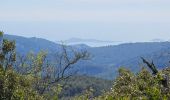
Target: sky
113,20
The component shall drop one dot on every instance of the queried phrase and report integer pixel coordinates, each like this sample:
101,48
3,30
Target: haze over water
111,20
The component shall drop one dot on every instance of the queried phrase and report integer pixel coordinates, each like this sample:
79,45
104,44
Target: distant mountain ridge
105,60
89,42
25,45
158,40
85,40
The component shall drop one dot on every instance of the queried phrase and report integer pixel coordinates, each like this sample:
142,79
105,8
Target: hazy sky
117,20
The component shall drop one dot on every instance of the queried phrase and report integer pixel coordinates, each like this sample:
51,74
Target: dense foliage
13,86
34,77
80,84
142,85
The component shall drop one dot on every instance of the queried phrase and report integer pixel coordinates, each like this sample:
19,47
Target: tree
47,71
141,86
12,85
34,75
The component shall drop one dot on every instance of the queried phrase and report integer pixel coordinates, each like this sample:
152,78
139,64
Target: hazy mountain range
99,43
105,60
89,42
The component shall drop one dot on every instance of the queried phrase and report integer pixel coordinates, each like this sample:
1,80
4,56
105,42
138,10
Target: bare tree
165,78
151,66
48,72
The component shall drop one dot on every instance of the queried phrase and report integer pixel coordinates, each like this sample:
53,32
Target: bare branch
151,66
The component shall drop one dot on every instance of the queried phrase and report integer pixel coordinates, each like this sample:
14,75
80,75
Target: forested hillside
25,45
104,61
33,76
